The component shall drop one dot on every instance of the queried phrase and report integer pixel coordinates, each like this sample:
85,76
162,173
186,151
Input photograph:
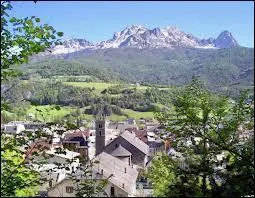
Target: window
43,194
125,170
50,183
112,191
100,133
69,189
116,145
100,126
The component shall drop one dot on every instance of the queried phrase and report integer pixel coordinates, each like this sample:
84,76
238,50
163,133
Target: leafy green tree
164,175
16,178
212,157
20,39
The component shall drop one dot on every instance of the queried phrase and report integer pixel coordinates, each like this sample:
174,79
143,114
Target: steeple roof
120,152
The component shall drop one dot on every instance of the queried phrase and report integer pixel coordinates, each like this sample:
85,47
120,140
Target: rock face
225,40
137,36
72,45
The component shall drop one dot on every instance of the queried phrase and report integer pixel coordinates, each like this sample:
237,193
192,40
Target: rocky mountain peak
225,40
137,36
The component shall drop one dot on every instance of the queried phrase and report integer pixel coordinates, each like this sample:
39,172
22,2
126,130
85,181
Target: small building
13,128
25,125
39,146
78,142
131,121
122,154
151,125
141,134
129,141
57,168
121,179
122,126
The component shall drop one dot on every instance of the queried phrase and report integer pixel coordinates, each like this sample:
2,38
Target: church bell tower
100,126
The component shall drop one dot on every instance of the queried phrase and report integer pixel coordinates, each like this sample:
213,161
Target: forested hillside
221,70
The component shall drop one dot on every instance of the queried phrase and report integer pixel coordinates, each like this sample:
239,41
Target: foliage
87,186
20,38
26,38
51,91
206,134
16,178
163,169
57,67
223,70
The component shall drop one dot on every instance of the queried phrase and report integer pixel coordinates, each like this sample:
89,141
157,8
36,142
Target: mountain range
162,56
137,36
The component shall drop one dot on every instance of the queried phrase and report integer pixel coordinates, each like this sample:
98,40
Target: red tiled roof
141,134
37,146
77,133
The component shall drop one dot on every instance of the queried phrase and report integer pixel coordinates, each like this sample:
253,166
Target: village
123,151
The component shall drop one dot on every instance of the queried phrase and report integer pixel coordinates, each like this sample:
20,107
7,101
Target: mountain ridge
137,36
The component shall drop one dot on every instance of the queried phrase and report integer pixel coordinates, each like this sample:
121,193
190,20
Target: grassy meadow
49,113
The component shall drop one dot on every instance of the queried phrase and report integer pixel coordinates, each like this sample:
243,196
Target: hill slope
217,68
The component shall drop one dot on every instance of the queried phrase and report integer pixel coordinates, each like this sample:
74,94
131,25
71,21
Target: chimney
167,145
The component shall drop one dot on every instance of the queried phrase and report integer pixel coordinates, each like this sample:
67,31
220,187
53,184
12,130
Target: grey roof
135,141
121,172
112,165
120,152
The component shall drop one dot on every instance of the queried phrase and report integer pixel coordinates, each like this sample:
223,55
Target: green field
48,113
137,114
100,86
115,117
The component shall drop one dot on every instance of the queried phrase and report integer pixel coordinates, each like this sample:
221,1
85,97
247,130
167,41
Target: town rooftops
39,145
135,141
76,133
24,122
141,134
79,137
123,176
120,152
67,155
79,140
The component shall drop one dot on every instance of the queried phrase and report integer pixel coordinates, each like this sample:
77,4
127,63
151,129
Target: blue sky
97,21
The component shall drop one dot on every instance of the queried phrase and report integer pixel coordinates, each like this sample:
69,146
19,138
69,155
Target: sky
98,20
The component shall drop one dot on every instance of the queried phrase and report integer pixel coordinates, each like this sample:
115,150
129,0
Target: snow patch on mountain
137,36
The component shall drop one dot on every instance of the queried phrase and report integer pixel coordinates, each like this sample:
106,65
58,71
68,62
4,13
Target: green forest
224,70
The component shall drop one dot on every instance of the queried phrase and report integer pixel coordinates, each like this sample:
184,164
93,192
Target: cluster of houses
116,151
121,151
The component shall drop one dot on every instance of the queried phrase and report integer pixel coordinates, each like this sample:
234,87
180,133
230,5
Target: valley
111,97
128,82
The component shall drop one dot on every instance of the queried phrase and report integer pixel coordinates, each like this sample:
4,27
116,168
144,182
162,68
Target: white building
13,128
